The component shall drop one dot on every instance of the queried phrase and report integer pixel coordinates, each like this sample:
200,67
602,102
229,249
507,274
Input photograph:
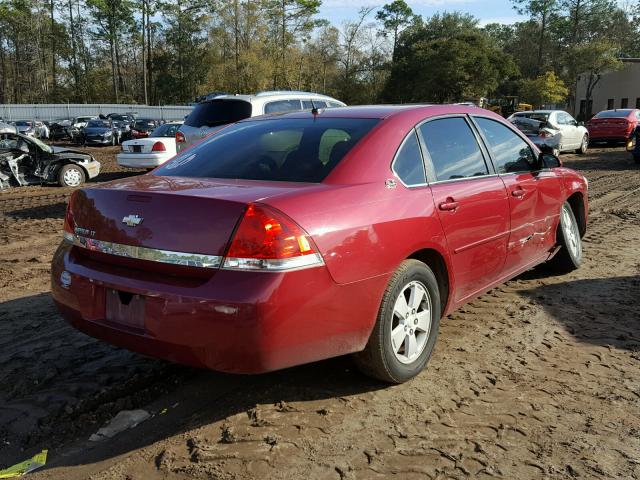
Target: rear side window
278,149
408,163
218,112
281,106
453,149
511,153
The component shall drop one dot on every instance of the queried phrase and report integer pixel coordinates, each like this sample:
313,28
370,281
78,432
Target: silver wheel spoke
398,337
401,308
411,346
424,321
415,298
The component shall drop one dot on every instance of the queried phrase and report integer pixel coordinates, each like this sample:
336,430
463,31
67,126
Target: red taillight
69,224
269,240
158,147
180,137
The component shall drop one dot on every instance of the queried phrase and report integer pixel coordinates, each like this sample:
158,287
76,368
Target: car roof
381,111
271,95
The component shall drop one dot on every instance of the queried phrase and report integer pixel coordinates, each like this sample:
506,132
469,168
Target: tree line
170,51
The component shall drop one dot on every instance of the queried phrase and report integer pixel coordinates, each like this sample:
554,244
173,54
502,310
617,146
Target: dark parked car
26,161
288,239
61,128
142,127
101,132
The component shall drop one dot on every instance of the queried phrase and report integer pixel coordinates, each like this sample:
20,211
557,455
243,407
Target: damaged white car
27,161
552,130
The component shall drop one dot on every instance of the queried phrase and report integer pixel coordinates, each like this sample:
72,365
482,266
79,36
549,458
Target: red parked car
613,125
142,127
289,239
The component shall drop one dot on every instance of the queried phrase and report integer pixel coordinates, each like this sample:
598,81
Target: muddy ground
539,378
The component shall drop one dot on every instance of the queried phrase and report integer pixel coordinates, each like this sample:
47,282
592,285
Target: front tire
406,329
71,175
569,257
584,146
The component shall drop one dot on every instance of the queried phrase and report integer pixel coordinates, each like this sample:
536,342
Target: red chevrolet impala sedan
288,239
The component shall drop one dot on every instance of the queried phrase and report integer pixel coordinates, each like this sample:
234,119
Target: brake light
158,147
180,137
69,223
268,240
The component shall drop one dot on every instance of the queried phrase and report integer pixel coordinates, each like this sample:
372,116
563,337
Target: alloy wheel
571,233
411,322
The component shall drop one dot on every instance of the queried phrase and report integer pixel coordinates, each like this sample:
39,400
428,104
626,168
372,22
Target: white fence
12,112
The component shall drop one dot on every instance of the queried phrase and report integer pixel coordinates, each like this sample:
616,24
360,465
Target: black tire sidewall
415,271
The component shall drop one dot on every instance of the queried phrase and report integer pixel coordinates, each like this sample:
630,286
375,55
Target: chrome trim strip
273,265
144,253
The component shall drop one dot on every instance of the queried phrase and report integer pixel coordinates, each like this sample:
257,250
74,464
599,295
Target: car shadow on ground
62,386
601,311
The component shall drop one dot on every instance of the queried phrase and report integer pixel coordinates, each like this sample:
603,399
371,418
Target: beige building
617,89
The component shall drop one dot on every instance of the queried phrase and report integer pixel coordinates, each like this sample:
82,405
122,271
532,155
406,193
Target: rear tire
406,328
569,257
584,146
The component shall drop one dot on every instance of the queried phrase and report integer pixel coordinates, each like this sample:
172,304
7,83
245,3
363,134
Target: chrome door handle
448,205
519,192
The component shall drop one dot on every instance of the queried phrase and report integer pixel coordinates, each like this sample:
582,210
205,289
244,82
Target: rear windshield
286,149
218,112
144,124
166,130
614,114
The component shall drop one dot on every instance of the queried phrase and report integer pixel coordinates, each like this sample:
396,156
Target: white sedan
553,129
152,151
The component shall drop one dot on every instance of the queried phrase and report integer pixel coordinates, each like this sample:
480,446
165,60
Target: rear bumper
142,160
239,322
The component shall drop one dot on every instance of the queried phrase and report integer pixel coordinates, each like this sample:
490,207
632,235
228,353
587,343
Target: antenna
314,109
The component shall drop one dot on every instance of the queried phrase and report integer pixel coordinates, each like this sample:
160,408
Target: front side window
281,106
277,149
408,163
218,112
453,149
309,104
511,153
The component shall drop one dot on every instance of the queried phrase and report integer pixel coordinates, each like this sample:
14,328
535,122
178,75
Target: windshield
22,123
144,124
286,149
41,144
614,114
166,130
121,118
218,112
538,116
98,124
84,119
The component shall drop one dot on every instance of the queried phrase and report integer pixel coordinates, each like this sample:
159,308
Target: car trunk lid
167,214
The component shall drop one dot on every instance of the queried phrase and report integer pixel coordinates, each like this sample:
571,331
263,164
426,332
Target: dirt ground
539,378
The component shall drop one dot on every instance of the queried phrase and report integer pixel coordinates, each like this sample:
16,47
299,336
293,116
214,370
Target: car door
471,202
534,193
569,128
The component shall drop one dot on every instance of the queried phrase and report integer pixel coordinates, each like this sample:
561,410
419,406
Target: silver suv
224,109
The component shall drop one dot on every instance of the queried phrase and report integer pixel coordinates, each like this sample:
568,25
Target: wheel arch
56,170
576,202
436,262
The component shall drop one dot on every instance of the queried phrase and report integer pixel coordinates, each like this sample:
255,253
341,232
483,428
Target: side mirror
549,160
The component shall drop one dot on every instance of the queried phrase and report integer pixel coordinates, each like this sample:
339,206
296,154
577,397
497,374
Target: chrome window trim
424,168
465,179
144,253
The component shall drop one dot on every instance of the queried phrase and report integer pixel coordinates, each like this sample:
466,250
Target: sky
487,11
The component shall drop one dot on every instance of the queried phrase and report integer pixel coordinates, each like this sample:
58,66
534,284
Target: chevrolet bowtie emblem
132,220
